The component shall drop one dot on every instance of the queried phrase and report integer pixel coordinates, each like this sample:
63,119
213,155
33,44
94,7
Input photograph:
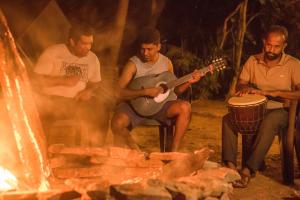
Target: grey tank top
144,69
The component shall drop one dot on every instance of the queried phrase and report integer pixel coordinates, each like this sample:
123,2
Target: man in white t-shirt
68,76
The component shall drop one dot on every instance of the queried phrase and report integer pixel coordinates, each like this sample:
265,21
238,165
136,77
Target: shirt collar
260,59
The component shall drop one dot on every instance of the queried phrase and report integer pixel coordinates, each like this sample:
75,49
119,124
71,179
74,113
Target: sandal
243,182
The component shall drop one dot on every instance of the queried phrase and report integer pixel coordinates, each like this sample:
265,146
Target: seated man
68,76
273,73
149,61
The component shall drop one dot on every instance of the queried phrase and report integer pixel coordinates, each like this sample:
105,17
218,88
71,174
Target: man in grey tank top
149,61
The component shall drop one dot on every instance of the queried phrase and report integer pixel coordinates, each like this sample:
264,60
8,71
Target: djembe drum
245,115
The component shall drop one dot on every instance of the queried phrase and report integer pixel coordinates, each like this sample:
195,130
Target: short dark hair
149,36
278,29
79,29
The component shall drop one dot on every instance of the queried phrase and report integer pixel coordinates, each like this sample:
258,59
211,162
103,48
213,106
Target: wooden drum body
247,112
245,115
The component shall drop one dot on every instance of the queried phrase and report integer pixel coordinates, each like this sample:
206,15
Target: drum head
248,99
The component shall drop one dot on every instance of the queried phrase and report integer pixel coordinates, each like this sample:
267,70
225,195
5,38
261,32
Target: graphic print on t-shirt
75,69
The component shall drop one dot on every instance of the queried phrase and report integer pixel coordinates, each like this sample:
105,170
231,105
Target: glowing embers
7,180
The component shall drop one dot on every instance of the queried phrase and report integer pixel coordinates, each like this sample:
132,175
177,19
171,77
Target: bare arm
196,76
127,75
295,94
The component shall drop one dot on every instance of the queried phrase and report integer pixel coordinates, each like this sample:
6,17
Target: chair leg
162,142
287,161
166,137
287,146
170,136
297,143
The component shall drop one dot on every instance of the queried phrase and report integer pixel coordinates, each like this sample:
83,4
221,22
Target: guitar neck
186,78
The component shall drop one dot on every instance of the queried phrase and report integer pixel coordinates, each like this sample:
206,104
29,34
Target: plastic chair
166,129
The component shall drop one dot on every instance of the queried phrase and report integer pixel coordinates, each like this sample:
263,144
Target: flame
7,180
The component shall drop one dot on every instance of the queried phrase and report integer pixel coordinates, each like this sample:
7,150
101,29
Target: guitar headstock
218,64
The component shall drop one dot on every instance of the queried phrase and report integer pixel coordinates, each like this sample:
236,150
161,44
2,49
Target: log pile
129,174
117,173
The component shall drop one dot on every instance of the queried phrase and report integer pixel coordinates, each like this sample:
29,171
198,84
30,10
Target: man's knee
185,108
225,120
119,121
275,119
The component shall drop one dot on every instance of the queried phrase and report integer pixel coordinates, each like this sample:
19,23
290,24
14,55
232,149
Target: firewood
69,161
109,171
113,152
141,162
61,149
168,155
123,153
94,171
184,167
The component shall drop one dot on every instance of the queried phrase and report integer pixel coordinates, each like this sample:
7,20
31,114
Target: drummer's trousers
274,123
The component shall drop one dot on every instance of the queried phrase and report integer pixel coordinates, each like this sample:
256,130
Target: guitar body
147,106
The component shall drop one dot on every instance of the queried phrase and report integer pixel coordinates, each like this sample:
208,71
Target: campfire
91,173
23,122
7,180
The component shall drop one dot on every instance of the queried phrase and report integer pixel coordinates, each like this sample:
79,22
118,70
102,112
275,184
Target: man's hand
153,92
196,76
70,80
248,90
84,95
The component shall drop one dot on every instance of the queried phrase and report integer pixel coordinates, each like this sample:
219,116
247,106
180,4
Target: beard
272,56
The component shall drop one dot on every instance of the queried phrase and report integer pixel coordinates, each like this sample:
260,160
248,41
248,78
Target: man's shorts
136,119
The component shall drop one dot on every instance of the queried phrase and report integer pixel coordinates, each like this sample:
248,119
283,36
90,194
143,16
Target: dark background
191,30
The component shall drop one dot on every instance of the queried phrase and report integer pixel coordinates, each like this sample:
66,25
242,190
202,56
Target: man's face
149,52
82,46
274,45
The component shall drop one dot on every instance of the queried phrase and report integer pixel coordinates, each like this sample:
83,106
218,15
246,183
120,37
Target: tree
238,24
238,34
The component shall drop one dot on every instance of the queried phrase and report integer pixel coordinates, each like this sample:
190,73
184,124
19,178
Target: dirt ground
205,130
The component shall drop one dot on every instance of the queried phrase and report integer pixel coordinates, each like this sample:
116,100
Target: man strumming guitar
148,62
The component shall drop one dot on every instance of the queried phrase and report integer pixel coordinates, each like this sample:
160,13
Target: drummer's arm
294,94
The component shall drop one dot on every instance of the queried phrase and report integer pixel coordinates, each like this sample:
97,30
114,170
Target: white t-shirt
57,60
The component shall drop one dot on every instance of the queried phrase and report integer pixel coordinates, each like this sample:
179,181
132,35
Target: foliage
186,62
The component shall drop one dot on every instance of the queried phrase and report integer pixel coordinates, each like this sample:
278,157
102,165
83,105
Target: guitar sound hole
164,87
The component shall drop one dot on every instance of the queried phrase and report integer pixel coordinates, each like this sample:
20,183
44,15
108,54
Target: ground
205,130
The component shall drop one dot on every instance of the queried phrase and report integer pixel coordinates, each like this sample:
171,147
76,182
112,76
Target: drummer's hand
248,90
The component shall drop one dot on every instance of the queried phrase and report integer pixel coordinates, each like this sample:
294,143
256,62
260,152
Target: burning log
24,121
61,149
